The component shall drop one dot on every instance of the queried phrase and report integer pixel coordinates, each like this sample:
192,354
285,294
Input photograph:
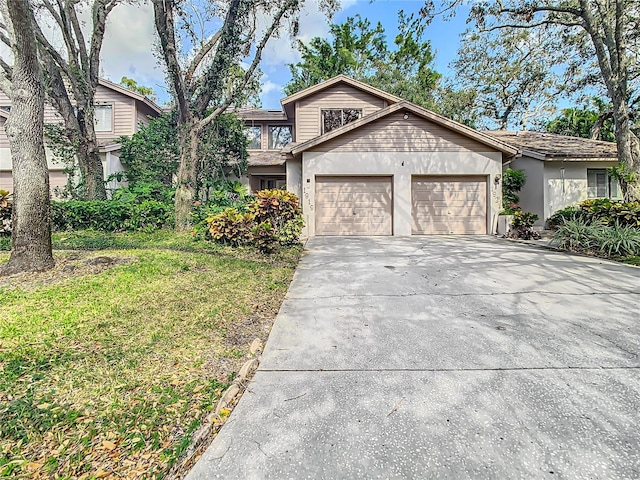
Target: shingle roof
550,146
266,158
258,114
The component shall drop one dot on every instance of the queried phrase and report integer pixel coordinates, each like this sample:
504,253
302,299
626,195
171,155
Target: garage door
353,206
449,205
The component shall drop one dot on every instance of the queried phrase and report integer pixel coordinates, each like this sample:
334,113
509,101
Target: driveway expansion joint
481,294
488,369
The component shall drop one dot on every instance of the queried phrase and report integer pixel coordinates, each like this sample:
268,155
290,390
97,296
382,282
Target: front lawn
109,362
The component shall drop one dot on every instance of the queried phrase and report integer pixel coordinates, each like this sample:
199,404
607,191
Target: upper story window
337,117
254,135
279,136
103,116
6,108
600,184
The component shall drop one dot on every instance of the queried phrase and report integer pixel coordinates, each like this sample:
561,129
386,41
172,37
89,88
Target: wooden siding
124,113
4,140
339,96
395,134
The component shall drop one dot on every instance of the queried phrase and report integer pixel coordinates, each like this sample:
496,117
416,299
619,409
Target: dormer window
337,117
254,135
279,136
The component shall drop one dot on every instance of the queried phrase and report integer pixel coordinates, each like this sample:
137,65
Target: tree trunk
89,159
187,176
628,149
31,224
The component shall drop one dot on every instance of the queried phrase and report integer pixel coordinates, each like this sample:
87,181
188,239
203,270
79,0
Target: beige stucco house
365,162
118,112
561,170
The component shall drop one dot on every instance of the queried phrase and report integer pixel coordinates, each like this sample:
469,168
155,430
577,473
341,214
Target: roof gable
411,108
130,93
334,81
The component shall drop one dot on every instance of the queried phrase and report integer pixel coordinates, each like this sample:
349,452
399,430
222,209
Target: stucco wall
401,166
559,193
532,194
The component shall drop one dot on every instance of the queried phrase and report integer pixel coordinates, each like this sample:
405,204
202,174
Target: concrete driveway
443,357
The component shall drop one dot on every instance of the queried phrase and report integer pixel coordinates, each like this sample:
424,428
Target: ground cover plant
602,227
109,362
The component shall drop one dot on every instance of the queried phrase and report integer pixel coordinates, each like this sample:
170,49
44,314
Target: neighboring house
118,112
365,162
561,170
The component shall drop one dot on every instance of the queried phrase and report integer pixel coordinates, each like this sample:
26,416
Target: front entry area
353,205
449,205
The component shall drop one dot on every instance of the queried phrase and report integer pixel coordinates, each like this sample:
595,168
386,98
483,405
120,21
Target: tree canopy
360,50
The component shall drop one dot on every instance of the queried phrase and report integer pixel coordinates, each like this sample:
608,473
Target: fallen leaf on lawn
198,388
33,466
102,474
108,445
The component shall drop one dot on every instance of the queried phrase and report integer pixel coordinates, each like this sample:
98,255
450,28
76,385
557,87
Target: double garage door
364,205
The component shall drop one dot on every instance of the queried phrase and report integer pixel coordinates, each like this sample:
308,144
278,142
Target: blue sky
443,35
130,45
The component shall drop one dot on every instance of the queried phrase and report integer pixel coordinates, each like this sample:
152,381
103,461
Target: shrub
5,212
611,212
110,215
512,183
522,226
232,227
282,210
567,213
583,235
575,235
228,195
263,237
272,218
617,241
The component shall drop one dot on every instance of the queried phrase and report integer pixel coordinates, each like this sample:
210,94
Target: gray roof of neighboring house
550,146
266,158
258,114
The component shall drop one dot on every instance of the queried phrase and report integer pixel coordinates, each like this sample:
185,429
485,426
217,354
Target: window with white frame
337,117
601,185
279,136
103,117
254,135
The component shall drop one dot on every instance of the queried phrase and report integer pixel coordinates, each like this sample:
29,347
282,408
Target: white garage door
353,206
449,205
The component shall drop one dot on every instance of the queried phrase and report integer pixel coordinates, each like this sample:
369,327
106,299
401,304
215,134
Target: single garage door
353,206
449,205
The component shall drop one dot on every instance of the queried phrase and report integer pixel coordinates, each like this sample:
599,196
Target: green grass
112,369
633,261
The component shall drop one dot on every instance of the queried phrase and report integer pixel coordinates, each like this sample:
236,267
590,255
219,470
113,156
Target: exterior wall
294,176
124,113
559,193
401,166
338,96
531,195
395,133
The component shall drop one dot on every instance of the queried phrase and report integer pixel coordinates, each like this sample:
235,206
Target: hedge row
111,215
602,211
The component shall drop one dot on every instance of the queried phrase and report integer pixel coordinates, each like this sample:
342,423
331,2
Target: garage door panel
449,205
353,206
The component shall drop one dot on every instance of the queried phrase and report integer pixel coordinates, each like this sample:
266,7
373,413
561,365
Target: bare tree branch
202,53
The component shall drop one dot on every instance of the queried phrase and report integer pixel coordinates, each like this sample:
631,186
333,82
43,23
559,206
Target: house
118,112
365,162
561,170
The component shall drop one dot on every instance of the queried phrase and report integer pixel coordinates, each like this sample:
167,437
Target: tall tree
361,51
593,121
511,70
71,76
210,83
31,226
602,30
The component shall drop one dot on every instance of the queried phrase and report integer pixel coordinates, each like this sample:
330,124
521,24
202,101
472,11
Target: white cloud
129,46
